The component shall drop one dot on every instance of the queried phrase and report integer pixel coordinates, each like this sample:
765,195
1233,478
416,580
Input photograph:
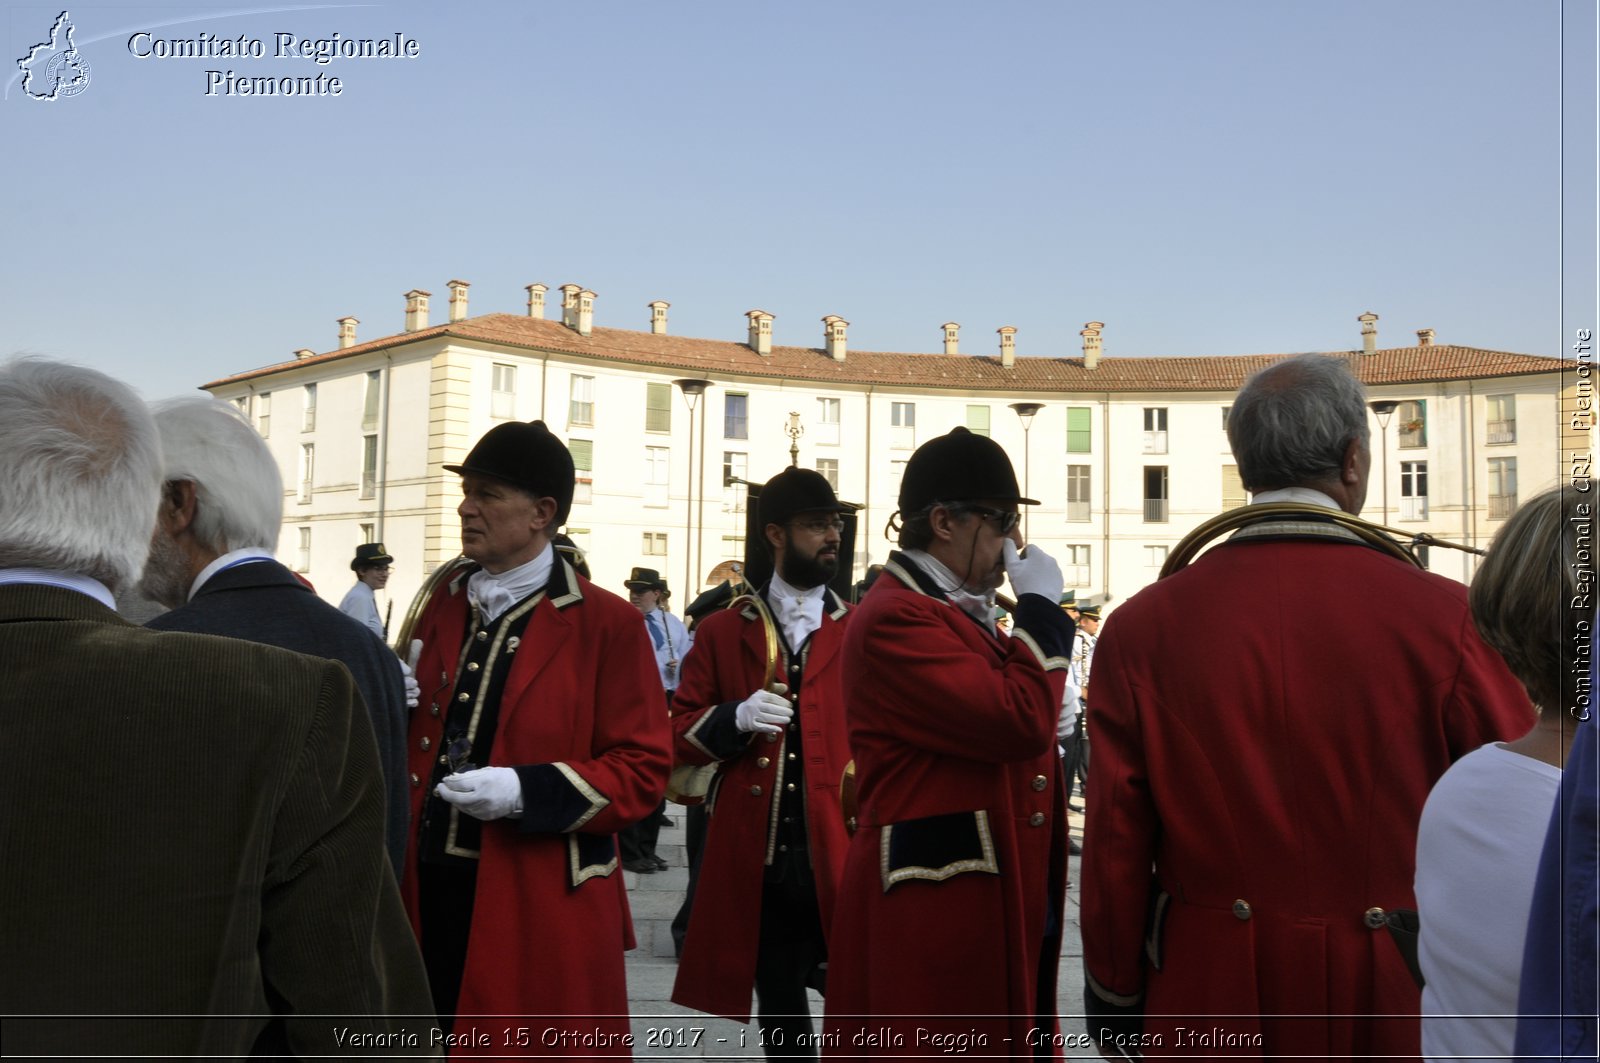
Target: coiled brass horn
690,783
408,624
1375,535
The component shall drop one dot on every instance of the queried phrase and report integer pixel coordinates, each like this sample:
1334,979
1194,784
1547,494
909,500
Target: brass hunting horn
1375,535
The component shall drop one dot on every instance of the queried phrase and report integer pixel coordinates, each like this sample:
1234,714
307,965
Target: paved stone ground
664,1030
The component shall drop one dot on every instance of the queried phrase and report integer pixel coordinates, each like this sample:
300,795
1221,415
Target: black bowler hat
645,579
796,490
525,455
369,555
958,467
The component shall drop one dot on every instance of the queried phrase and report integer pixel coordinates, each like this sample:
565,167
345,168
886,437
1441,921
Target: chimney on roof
585,312
658,317
416,309
1424,337
305,352
1369,332
833,327
952,337
1091,343
760,331
458,300
347,332
1008,345
536,300
569,305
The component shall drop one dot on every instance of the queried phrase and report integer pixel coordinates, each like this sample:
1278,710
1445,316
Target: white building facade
1126,455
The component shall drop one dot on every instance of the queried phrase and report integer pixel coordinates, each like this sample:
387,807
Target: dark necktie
652,620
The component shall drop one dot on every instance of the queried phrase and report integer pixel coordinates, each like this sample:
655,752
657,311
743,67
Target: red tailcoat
550,918
1271,760
948,917
728,662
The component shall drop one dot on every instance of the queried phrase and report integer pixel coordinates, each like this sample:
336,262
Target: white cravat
978,606
798,612
492,594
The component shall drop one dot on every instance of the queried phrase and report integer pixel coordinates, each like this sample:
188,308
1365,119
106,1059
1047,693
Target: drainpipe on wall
1105,497
544,373
863,521
383,445
1470,521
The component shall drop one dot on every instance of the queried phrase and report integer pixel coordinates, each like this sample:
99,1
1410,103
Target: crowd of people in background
1336,825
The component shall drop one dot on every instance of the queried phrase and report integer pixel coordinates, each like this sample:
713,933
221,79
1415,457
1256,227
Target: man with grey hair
191,841
1253,808
211,564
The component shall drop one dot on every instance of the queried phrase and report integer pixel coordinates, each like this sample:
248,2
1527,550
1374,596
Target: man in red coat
776,836
947,933
540,734
1272,770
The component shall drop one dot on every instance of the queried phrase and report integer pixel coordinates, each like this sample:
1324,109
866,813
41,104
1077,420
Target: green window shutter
582,454
1078,429
658,407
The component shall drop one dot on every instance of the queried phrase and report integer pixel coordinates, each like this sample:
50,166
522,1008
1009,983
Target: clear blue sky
1224,177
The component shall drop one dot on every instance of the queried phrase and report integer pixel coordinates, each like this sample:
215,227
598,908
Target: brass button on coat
414,780
433,709
771,737
755,791
790,787
1040,782
427,744
1241,909
483,636
463,697
472,666
762,762
1036,820
1374,918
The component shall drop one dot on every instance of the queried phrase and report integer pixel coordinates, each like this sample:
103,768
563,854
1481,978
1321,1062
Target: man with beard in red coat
776,837
948,929
540,735
1257,785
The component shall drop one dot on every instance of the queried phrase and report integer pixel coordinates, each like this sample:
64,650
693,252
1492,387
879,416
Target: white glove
413,688
483,793
1037,573
765,710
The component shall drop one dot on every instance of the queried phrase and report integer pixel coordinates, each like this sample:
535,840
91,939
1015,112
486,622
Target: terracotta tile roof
720,359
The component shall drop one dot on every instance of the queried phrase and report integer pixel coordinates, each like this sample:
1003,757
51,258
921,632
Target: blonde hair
1525,596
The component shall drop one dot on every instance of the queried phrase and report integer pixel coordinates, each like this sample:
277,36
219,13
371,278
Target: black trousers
789,960
445,896
694,839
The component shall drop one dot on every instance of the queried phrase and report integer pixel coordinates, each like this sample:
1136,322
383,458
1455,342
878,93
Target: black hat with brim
794,491
645,579
716,598
525,454
369,555
958,466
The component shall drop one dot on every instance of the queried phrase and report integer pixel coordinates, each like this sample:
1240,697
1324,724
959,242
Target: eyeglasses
1005,519
820,527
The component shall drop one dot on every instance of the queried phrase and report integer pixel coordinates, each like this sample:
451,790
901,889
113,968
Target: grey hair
81,477
1292,421
238,490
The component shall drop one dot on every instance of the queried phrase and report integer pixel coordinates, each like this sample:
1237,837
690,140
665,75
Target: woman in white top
1483,827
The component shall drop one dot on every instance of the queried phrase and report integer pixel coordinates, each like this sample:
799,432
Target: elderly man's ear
178,504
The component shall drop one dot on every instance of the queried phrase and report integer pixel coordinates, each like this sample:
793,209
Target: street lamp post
1025,412
794,430
1382,410
692,389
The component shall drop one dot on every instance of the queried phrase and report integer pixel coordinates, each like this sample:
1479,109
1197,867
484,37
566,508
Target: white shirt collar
228,560
978,606
494,593
1309,495
780,588
72,581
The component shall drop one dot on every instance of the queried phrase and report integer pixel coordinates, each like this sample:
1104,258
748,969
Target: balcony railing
1078,511
1076,576
1155,443
1414,508
1502,431
1500,506
1155,510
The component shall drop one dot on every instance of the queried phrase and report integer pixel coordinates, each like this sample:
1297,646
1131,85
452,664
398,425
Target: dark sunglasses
1005,519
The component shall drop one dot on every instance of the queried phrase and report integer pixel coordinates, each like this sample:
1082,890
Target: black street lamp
1025,412
1382,410
692,389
